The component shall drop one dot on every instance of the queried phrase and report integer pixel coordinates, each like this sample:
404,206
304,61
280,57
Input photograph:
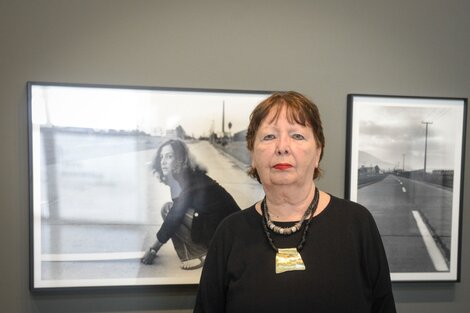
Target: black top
210,202
346,266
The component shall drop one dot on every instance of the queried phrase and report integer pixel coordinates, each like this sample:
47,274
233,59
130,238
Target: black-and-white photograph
405,164
127,183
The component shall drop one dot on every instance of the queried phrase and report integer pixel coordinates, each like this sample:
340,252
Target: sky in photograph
151,111
394,131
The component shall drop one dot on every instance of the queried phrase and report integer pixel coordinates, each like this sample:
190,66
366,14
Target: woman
299,249
199,204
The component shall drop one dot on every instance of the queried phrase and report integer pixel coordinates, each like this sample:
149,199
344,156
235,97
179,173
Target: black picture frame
405,163
94,200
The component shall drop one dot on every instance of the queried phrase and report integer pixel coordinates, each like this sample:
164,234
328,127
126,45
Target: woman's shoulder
241,216
341,202
343,214
196,180
239,220
234,227
348,208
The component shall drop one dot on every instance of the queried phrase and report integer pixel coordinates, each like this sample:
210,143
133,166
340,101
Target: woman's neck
175,187
288,203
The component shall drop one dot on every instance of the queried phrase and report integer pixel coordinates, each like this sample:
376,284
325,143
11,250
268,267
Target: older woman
199,204
299,249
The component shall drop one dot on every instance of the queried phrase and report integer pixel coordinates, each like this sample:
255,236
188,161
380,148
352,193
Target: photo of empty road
406,169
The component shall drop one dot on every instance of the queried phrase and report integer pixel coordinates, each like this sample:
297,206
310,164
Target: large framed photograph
405,163
113,169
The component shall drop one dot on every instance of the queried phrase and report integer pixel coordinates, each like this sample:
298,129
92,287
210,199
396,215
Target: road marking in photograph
109,256
434,252
401,183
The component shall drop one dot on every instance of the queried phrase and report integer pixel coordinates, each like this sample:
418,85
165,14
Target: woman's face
285,153
166,159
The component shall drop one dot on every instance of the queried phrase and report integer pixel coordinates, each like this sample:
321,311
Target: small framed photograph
405,163
113,167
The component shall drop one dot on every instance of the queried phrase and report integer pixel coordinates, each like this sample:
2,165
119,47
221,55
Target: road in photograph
101,208
414,219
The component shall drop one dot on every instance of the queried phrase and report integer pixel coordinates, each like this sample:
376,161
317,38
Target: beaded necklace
286,230
289,259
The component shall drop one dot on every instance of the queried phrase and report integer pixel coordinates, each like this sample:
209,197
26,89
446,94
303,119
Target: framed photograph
113,167
405,163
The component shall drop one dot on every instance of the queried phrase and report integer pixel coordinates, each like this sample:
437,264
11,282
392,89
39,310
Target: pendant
289,260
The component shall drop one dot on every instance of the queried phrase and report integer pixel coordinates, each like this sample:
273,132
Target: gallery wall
322,48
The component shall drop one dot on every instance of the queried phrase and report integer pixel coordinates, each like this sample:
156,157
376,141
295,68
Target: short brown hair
299,109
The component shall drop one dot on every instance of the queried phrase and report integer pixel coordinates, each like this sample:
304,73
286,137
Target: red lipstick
282,166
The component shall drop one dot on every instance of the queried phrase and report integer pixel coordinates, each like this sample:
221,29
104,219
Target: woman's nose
283,145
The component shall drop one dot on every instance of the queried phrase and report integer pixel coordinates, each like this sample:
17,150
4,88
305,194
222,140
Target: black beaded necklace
312,208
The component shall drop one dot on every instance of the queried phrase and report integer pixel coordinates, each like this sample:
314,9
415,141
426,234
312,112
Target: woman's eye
298,137
269,137
166,156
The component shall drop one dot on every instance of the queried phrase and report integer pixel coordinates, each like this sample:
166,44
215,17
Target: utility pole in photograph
426,144
223,118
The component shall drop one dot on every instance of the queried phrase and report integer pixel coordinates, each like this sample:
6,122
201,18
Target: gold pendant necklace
289,259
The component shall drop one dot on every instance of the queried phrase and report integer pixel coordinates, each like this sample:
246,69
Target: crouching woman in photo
198,205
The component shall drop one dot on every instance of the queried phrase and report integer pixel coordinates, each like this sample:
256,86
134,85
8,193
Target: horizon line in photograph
154,112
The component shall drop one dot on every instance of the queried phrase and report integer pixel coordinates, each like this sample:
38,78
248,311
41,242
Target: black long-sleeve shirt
346,266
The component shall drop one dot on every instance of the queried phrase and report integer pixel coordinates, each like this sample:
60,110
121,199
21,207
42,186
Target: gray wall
324,48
